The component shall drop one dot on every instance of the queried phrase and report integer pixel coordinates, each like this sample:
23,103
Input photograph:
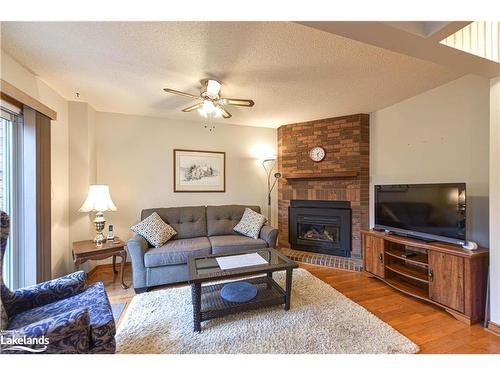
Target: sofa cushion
177,252
250,224
102,324
234,243
188,222
154,230
222,219
66,333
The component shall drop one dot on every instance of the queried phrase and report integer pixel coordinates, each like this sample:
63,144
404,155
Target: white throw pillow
250,224
154,230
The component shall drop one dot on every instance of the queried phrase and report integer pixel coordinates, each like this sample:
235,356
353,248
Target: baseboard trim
101,267
493,328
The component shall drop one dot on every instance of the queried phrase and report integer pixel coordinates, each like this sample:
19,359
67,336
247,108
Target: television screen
429,211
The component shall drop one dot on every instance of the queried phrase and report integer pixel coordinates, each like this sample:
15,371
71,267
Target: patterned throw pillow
154,230
250,224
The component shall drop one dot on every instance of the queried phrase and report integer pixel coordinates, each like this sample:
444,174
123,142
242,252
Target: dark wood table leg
288,289
123,255
114,262
76,263
269,275
196,297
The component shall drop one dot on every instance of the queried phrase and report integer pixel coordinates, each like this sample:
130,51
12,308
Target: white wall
495,200
135,158
23,79
441,135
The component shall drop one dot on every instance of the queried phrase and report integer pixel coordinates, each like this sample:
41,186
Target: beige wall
495,200
135,158
82,167
133,155
441,135
23,79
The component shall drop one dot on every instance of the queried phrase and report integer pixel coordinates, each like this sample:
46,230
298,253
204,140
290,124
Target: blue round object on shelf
240,291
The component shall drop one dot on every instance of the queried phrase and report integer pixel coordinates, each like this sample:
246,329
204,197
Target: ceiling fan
209,100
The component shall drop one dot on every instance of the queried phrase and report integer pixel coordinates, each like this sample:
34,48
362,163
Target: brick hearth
333,261
346,141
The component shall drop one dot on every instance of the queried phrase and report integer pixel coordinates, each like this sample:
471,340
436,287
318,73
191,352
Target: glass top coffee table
206,299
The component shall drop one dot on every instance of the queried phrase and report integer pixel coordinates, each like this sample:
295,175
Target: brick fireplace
342,176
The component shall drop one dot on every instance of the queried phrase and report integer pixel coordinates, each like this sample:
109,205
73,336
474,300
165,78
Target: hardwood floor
434,330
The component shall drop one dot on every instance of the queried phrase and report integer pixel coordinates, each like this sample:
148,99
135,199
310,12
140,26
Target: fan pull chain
210,126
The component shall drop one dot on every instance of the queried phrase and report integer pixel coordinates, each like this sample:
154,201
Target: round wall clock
317,154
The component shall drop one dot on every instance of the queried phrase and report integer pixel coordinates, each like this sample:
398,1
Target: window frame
13,182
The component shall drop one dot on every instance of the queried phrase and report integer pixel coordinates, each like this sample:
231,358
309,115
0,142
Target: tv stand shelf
407,288
419,259
444,275
408,273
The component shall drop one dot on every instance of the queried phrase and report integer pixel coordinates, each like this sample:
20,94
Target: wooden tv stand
443,274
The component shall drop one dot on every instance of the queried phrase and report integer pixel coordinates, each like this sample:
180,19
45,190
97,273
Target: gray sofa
200,231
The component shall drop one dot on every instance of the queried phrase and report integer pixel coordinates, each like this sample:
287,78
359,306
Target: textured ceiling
294,73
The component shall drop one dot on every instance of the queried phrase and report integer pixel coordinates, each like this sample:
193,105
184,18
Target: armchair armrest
136,247
269,234
68,332
44,293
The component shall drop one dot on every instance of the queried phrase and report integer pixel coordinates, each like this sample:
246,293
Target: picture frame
199,171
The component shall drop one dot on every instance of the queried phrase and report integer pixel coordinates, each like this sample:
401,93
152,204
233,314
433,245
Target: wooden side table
88,250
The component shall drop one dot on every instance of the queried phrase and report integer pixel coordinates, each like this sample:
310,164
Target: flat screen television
435,212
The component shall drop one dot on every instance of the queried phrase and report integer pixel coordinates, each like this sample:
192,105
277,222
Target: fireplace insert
320,226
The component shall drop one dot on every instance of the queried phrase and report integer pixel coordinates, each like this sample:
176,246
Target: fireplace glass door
323,228
319,232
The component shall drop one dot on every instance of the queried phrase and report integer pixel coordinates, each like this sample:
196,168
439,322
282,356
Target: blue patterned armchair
74,317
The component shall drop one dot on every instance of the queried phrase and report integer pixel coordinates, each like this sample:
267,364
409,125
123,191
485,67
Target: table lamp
98,200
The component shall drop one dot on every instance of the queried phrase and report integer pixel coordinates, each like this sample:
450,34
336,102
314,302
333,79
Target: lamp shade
98,199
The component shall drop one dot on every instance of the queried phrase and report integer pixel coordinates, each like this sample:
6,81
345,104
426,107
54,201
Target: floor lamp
268,166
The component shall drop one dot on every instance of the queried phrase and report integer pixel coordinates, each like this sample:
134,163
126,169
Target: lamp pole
268,166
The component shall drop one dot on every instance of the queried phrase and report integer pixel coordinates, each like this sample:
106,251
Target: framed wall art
199,171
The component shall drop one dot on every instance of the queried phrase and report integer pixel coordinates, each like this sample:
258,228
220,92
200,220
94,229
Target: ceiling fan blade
240,102
171,91
192,107
213,88
225,113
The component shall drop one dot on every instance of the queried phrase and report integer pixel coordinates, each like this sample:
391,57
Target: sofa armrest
137,247
65,333
269,234
44,293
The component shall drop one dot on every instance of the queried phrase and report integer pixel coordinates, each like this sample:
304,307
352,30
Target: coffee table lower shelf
208,303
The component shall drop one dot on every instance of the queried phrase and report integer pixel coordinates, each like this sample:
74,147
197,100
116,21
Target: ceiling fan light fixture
207,108
213,88
218,112
210,104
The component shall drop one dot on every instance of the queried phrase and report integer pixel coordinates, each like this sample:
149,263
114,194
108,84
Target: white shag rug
320,320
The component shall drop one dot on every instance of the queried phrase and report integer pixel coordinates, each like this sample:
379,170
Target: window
10,198
480,38
26,194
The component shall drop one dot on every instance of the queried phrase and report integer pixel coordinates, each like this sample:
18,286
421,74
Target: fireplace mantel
320,176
